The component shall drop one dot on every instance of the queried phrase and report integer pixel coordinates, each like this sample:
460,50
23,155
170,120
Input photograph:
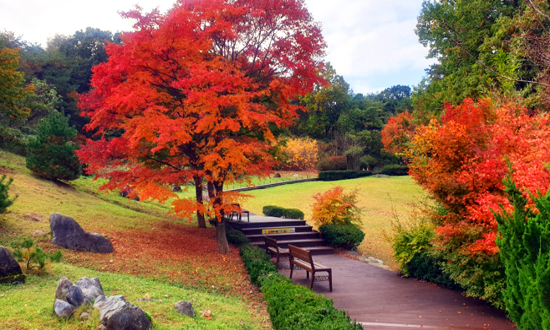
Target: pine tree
5,200
51,154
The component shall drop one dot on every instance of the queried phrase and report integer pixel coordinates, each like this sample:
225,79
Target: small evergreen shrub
13,140
525,252
33,258
273,211
428,267
5,200
236,237
257,262
342,175
293,214
411,241
342,236
395,170
51,154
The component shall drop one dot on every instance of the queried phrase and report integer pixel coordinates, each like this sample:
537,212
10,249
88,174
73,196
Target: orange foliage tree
336,207
462,161
189,96
12,89
398,132
301,154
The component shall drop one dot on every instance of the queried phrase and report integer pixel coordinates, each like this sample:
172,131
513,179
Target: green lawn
381,198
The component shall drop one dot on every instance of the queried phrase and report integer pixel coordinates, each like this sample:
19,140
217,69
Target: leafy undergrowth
166,252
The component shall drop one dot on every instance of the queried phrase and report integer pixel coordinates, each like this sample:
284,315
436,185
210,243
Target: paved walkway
381,299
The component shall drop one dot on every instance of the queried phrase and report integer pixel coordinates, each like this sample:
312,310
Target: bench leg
312,279
307,275
277,263
291,269
330,279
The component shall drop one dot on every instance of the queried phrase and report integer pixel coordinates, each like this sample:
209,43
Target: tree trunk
223,246
198,194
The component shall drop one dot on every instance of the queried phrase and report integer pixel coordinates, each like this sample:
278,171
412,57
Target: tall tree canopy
194,92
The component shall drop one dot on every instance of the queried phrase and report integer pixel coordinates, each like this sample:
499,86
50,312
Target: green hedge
342,175
395,170
273,211
236,237
280,212
342,236
292,307
293,214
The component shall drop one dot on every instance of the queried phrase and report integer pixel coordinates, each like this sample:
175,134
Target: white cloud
370,42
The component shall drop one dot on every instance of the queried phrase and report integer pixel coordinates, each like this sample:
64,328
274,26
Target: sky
371,43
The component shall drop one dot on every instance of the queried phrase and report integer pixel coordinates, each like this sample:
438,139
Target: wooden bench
302,258
238,214
273,248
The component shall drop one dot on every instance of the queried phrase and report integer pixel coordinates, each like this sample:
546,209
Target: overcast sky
370,42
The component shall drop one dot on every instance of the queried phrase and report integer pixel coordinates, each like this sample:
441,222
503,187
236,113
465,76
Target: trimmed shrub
13,140
342,175
273,211
5,200
395,170
333,163
292,307
51,154
525,252
236,237
427,267
257,262
342,236
293,214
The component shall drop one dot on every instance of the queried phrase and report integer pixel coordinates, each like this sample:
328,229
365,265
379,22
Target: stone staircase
295,232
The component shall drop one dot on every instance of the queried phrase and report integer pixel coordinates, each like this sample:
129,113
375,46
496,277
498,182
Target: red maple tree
189,96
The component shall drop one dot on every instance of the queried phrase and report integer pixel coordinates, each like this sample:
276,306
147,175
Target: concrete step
267,224
315,242
259,230
285,236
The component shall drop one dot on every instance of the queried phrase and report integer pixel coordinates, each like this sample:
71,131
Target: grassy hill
156,256
383,200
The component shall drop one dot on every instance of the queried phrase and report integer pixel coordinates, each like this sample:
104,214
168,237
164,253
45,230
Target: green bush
257,262
5,200
293,214
295,307
395,170
525,252
13,140
333,163
236,237
34,258
342,236
51,154
273,211
290,306
428,267
342,175
411,241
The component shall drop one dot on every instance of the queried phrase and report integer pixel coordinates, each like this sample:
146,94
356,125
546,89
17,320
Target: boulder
91,289
10,271
62,290
277,175
74,296
62,308
67,233
176,188
127,191
185,307
115,313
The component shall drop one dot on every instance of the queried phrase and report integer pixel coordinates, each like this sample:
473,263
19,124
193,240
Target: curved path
381,299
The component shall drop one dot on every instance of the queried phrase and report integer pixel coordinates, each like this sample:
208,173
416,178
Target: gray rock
67,233
62,308
63,286
101,327
185,307
176,188
84,316
128,191
128,317
117,314
91,288
75,296
10,271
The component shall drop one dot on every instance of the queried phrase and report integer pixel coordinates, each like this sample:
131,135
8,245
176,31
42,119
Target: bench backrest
270,242
305,255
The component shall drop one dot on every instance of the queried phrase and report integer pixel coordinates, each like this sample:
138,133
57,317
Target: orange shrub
336,207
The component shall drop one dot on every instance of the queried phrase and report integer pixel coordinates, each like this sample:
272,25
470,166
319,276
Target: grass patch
30,306
381,198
